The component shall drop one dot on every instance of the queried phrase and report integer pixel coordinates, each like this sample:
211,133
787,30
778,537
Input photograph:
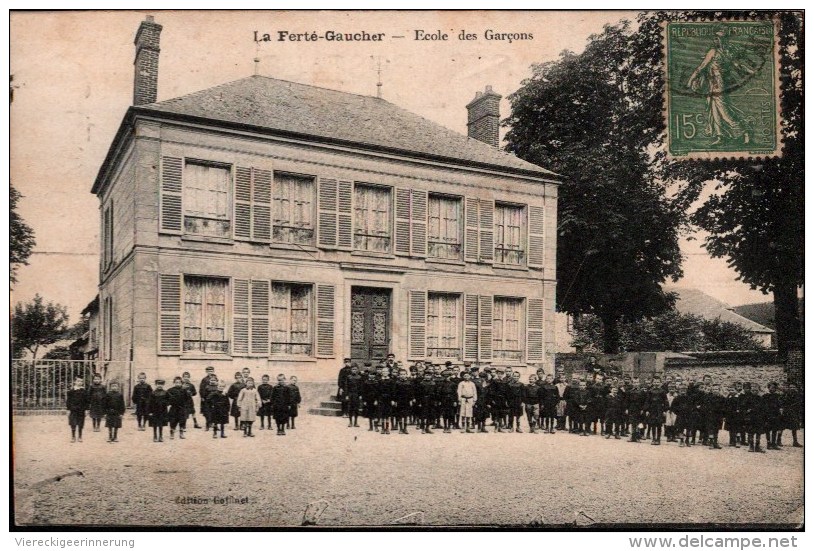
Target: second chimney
145,86
483,120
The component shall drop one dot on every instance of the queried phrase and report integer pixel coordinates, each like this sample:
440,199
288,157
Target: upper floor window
206,199
204,314
444,231
372,224
107,244
510,220
293,209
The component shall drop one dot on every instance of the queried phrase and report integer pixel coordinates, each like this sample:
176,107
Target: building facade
278,226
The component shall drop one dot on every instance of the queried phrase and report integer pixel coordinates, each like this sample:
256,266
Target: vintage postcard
399,269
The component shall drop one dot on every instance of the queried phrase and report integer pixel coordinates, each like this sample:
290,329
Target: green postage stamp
723,89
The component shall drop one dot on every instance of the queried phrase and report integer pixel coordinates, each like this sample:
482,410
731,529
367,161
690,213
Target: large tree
593,118
21,236
37,324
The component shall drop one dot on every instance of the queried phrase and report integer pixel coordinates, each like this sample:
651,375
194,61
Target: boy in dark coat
341,379
402,400
581,406
773,416
752,408
635,408
96,401
141,393
77,404
296,400
614,410
190,388
264,392
233,393
792,413
114,409
734,418
370,391
157,410
514,391
352,396
209,382
385,401
426,396
448,400
714,411
179,401
280,404
531,400
218,408
550,397
655,407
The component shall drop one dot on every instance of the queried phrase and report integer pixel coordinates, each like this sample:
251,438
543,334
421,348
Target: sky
73,78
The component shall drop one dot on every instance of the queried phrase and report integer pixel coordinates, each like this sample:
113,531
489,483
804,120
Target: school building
278,226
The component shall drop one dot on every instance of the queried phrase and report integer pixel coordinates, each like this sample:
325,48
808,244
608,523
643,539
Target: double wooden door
369,324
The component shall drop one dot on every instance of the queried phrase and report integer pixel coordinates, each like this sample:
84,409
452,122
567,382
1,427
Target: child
114,409
264,392
531,399
234,392
655,406
280,404
548,406
96,401
296,399
157,410
141,393
249,402
385,401
190,388
77,404
179,401
614,411
467,397
208,383
218,407
402,400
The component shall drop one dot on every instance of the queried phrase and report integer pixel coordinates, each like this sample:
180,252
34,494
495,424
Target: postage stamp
723,90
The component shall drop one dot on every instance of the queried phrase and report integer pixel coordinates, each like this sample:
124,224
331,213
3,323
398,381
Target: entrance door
370,324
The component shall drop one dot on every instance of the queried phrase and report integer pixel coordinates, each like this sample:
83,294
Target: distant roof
698,303
295,108
92,307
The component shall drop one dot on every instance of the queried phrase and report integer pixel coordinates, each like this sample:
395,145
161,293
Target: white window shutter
487,231
243,203
417,341
344,224
471,327
259,310
418,218
169,316
534,330
471,230
403,198
172,187
240,317
485,327
327,219
261,205
326,308
536,228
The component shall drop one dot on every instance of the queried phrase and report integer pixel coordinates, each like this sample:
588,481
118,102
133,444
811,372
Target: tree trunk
787,318
610,333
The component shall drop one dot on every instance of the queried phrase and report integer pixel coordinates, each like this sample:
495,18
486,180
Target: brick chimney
145,86
483,120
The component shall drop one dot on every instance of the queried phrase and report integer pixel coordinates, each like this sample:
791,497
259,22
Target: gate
41,386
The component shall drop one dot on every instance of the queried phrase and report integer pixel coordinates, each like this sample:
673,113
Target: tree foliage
59,353
21,236
670,331
37,324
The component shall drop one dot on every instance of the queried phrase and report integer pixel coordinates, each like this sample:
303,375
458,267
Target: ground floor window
205,314
291,314
443,325
507,326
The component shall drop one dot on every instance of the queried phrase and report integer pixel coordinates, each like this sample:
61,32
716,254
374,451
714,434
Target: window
443,325
108,335
291,319
507,328
371,230
293,209
107,252
205,315
206,200
444,232
509,224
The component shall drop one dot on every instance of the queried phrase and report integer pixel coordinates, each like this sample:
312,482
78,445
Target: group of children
159,407
435,396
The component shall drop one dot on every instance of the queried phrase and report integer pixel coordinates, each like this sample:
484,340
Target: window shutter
534,330
345,215
328,208
261,205
172,187
418,217
471,327
536,232
169,323
403,222
240,317
485,329
259,309
243,202
471,230
326,305
418,325
487,231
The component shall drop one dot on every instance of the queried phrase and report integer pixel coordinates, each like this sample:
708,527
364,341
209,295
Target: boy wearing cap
77,405
341,380
427,396
514,391
370,391
218,406
233,393
114,409
210,380
352,395
532,399
448,400
714,411
773,416
655,407
581,406
467,398
157,410
752,408
264,393
280,404
614,411
190,389
402,400
792,413
140,395
179,401
635,406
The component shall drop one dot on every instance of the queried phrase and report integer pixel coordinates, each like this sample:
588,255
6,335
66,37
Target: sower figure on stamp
140,395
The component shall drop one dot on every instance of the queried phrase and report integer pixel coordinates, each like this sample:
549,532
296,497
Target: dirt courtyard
371,479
